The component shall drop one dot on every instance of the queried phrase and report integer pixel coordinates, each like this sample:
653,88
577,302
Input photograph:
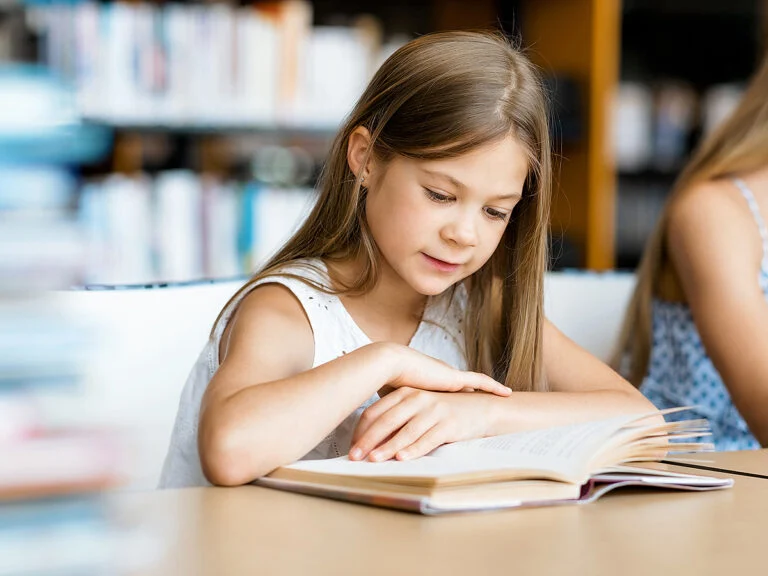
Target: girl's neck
391,297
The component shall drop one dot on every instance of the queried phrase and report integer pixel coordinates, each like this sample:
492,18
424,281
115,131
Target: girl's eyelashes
492,213
496,214
436,196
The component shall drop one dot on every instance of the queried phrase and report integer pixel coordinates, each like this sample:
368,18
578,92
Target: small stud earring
362,180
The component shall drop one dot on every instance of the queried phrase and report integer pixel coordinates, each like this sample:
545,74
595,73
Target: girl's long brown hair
738,146
437,97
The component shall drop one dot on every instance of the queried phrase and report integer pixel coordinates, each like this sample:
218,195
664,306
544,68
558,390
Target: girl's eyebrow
461,186
448,177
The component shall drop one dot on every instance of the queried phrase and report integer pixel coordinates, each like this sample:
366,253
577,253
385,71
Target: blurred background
201,126
161,143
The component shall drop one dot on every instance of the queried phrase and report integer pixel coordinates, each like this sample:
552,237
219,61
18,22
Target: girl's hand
409,423
416,370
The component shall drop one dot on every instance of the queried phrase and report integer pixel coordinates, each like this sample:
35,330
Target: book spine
369,498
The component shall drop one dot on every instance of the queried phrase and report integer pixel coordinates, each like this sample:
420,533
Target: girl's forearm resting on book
411,423
250,433
245,435
530,410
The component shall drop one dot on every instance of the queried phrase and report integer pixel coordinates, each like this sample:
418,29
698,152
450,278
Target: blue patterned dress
680,373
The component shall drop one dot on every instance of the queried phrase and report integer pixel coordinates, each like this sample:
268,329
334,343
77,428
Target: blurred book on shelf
209,64
212,68
58,460
632,124
657,124
718,103
182,226
675,113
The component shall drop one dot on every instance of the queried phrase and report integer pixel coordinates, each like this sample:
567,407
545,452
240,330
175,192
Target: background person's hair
437,97
738,146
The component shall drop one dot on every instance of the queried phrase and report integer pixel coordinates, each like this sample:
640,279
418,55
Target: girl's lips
440,264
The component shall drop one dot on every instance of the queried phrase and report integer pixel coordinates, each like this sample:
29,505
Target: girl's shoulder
296,299
273,301
267,314
311,272
293,281
713,213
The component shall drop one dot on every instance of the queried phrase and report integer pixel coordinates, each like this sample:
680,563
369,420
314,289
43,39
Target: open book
574,463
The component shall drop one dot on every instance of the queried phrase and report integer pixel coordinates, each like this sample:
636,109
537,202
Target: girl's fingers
375,410
485,383
408,434
390,421
430,440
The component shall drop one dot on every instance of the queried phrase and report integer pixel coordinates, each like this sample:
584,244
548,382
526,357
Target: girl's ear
358,149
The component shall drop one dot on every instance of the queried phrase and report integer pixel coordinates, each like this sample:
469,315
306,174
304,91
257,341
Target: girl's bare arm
716,250
582,388
266,406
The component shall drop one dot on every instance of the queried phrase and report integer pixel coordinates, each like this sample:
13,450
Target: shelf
234,129
649,174
161,284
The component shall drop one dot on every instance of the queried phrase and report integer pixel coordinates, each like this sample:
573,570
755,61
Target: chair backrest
147,340
589,307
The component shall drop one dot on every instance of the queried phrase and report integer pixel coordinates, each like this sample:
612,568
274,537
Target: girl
423,257
696,331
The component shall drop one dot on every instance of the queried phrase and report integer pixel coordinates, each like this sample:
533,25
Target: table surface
249,530
746,462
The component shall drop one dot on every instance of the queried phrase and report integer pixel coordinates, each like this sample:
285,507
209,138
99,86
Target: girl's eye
496,214
436,196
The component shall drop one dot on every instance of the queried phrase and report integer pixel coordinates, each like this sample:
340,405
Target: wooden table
253,530
743,462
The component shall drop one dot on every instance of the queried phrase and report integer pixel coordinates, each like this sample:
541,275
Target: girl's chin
431,287
426,281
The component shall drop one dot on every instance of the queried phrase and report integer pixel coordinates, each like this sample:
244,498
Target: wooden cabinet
580,39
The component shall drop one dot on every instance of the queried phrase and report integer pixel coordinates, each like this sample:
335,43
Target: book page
565,447
558,453
424,467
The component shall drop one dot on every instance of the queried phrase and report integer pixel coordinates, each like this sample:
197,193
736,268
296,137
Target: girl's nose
462,230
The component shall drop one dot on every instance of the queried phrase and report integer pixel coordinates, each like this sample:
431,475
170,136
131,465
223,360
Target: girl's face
437,222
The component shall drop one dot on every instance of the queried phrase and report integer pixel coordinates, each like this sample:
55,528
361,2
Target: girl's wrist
498,413
385,358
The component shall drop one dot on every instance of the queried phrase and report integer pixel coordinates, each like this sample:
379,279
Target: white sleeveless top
440,335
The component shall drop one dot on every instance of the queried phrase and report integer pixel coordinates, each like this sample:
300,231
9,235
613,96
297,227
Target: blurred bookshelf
60,460
684,65
653,77
220,117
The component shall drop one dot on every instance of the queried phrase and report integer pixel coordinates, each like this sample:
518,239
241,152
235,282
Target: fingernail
403,455
373,456
355,454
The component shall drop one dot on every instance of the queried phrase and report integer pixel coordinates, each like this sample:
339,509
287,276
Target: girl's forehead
496,151
503,160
